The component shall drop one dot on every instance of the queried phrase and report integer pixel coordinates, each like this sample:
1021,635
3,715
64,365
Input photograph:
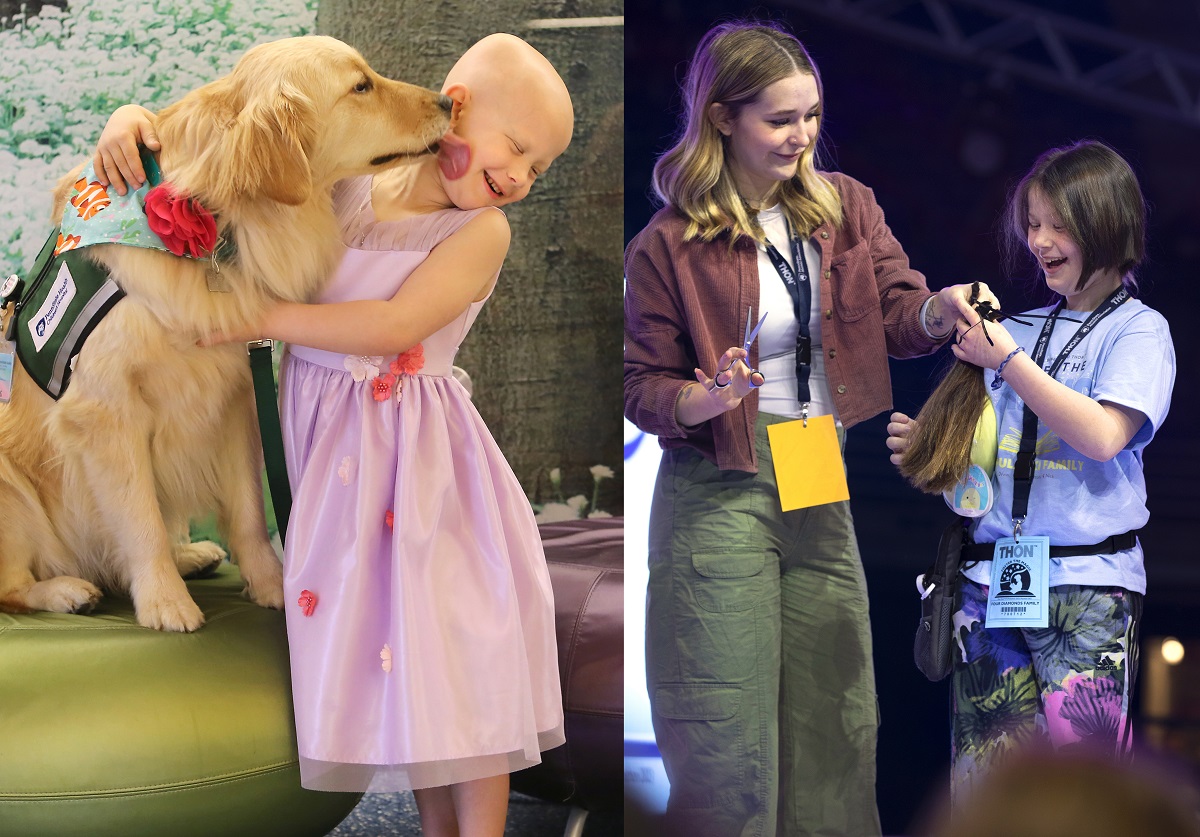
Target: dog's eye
363,86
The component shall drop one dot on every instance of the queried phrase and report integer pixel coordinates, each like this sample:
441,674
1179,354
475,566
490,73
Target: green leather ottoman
108,729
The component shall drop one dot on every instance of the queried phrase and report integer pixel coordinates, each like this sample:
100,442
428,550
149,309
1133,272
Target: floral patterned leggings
1066,685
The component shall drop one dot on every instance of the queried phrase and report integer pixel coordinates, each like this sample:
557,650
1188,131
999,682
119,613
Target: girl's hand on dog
219,337
900,428
244,335
266,323
117,161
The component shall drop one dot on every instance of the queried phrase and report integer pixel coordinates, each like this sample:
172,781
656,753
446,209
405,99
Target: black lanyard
1023,468
801,292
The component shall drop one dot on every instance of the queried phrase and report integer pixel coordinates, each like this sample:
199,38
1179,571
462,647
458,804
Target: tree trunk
545,354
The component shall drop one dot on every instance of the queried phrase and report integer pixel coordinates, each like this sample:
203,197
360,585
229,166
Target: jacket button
833,352
828,313
824,234
827,274
841,389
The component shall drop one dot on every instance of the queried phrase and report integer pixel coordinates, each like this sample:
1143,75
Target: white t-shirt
777,339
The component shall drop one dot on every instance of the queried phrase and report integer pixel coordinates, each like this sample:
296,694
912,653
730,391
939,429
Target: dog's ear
224,146
267,147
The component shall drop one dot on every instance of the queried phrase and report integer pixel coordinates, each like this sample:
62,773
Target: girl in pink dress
419,607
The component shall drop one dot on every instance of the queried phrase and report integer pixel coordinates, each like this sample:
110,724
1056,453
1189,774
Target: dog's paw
63,594
182,615
264,586
199,559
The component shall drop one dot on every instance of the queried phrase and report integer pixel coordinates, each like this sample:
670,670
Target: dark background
903,117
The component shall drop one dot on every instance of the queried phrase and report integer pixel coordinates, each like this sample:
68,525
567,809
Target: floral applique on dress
409,362
362,367
381,386
366,367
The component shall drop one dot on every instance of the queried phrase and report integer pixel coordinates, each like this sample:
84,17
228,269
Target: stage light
1171,650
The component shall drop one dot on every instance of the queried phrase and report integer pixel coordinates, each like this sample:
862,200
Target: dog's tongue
454,156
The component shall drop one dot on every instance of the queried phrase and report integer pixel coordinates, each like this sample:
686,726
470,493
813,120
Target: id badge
1019,593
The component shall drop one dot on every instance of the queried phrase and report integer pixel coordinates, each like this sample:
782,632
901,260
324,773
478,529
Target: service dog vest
65,298
65,295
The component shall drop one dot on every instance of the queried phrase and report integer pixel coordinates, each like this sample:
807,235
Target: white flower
346,470
598,513
363,367
385,657
579,503
601,472
556,477
555,513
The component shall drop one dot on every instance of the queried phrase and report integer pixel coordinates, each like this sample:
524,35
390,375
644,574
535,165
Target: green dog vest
65,295
62,301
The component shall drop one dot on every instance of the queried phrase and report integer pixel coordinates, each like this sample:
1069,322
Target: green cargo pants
758,656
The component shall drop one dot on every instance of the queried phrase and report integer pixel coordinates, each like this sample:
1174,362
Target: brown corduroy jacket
685,304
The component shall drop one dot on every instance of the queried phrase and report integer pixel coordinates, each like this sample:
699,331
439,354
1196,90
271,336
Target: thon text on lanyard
801,292
1023,468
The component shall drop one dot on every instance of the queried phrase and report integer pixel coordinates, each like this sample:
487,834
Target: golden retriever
98,487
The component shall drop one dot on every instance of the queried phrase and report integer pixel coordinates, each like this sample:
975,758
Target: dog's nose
445,102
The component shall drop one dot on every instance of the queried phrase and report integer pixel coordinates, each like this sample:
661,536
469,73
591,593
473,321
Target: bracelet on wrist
998,381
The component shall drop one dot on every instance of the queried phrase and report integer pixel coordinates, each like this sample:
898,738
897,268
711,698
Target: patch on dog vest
64,297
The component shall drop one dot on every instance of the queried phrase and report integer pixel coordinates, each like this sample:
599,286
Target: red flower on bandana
410,362
180,221
381,387
307,601
389,517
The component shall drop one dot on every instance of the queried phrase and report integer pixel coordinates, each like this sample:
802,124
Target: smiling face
766,137
1055,250
511,124
1061,258
1080,212
498,148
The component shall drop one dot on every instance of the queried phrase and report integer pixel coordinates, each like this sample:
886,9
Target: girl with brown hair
1079,389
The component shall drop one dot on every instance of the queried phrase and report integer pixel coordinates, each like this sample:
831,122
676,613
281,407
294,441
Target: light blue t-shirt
1128,360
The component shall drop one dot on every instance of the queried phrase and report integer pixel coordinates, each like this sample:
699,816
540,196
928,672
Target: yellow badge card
808,463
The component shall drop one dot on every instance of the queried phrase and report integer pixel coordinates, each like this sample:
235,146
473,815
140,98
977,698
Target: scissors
751,336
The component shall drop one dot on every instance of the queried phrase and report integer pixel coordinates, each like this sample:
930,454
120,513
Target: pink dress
419,608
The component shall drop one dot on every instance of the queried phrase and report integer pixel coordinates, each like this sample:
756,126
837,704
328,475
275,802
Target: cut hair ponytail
939,448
